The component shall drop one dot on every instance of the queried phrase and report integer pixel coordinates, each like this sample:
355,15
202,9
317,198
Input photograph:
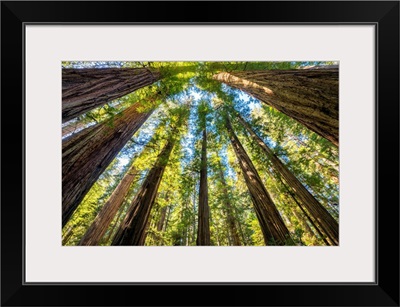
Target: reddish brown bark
87,154
72,128
321,236
107,213
132,230
229,209
161,221
203,229
320,215
310,96
106,238
273,228
86,89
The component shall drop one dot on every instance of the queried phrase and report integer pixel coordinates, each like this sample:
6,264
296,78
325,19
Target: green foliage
91,204
187,100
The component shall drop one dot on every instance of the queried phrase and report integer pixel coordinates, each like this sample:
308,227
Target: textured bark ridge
86,89
229,209
203,229
310,96
326,223
132,230
73,128
107,213
273,228
87,154
162,220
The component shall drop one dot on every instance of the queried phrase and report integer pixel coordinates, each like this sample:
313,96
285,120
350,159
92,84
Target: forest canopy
200,153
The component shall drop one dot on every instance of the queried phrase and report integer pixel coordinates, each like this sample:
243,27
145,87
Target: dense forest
200,153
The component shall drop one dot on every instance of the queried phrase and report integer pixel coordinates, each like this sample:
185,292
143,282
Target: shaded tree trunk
167,218
194,224
132,230
328,225
293,196
310,96
186,224
273,228
114,226
87,154
203,229
161,221
88,88
321,236
229,209
107,213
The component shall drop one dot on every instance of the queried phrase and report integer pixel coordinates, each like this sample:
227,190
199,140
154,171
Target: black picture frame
383,14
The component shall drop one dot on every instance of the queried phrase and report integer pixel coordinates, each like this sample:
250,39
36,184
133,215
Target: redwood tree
87,88
132,230
327,224
73,127
273,228
87,154
203,229
310,96
107,213
229,208
162,222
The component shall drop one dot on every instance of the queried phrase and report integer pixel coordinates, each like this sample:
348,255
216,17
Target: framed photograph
239,153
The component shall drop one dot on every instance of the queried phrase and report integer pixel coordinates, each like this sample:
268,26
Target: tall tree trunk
132,230
309,96
185,223
88,88
161,221
72,128
203,229
194,224
321,216
229,209
167,218
321,236
163,214
114,226
273,228
107,213
293,196
88,153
